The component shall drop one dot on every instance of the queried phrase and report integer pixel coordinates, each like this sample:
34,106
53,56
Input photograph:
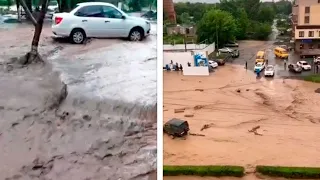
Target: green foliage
185,18
289,172
194,10
259,31
173,39
313,78
6,2
218,171
216,23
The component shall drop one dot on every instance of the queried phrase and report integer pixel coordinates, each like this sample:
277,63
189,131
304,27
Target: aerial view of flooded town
76,101
241,90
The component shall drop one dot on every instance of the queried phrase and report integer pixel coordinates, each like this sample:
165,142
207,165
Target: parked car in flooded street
176,127
294,68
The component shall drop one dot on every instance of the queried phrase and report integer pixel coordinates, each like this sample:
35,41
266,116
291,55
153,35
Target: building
306,25
181,29
168,9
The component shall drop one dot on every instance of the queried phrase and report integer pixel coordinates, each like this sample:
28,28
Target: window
311,33
319,44
307,10
306,19
111,12
90,11
301,33
301,46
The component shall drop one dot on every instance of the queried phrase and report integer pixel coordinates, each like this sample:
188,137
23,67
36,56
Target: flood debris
254,130
201,90
207,126
196,134
188,115
197,107
238,90
179,110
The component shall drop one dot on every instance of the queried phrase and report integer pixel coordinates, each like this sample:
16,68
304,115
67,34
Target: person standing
285,64
246,65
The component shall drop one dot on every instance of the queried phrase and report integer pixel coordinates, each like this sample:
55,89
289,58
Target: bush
313,78
236,171
289,172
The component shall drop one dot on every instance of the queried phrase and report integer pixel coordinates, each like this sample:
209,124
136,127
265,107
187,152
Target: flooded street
106,126
230,106
231,103
248,50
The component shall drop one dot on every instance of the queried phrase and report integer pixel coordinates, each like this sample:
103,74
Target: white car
259,66
213,64
304,65
98,19
269,71
225,50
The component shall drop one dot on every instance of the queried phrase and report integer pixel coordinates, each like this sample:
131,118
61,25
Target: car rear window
90,11
304,63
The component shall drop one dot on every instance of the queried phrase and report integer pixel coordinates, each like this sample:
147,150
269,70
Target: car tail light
58,20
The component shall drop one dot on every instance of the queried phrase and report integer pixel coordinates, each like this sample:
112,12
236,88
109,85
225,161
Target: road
248,50
106,127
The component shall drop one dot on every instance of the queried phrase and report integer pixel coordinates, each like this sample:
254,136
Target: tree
266,14
242,23
184,18
216,24
33,55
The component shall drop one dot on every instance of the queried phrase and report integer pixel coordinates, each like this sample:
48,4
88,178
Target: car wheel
77,36
136,34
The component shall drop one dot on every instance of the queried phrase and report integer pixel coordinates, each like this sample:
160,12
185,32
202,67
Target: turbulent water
104,129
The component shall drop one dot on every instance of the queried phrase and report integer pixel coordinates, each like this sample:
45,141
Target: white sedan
99,19
259,67
225,50
269,71
304,65
213,64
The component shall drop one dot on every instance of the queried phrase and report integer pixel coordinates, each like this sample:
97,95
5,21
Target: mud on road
106,126
233,102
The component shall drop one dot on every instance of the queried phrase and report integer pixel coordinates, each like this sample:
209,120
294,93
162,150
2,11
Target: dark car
220,61
176,127
150,15
294,68
231,44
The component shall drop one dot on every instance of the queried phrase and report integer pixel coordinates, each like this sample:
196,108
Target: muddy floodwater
106,126
233,102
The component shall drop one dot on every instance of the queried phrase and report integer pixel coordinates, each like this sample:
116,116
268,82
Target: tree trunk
18,10
38,30
63,5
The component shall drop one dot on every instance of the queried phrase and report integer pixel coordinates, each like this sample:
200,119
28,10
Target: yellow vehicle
260,57
281,53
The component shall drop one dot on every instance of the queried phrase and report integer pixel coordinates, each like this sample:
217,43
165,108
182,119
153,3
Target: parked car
176,127
317,60
231,44
259,66
98,19
213,63
304,65
294,68
149,15
269,71
235,53
220,62
225,50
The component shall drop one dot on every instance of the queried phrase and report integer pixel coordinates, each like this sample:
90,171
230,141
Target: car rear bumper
60,32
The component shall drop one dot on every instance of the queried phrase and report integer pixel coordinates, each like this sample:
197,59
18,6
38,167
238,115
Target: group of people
173,66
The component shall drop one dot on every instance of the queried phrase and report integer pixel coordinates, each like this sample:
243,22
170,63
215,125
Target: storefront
305,44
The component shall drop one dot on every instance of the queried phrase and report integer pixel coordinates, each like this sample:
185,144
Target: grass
313,78
289,172
216,171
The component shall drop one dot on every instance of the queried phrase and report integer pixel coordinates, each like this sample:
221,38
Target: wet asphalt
248,51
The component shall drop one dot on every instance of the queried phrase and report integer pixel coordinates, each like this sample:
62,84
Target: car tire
77,36
136,34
